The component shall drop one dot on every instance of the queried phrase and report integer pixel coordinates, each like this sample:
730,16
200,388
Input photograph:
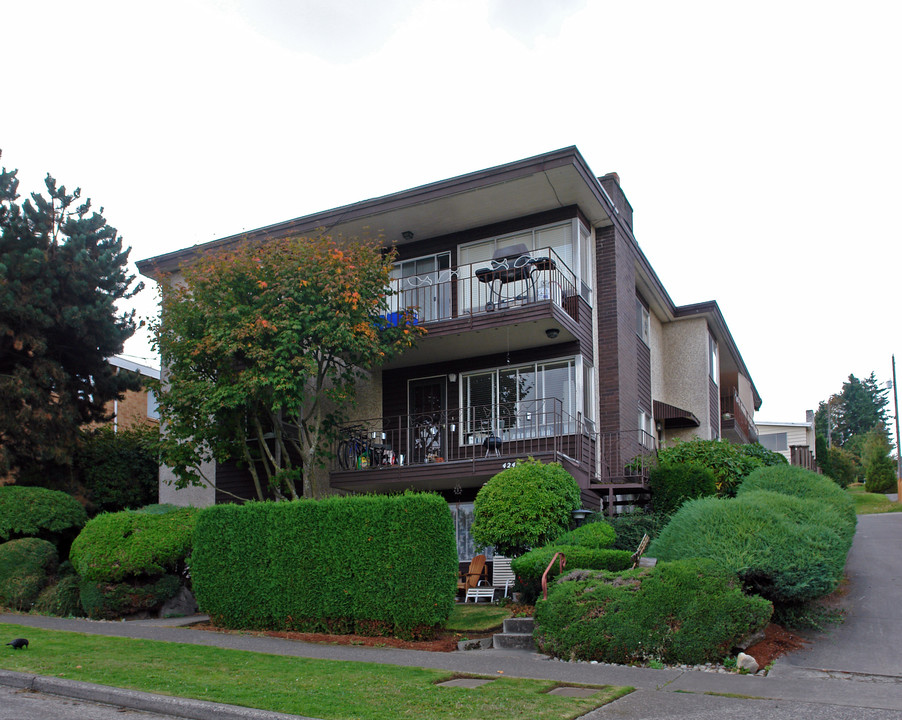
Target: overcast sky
759,143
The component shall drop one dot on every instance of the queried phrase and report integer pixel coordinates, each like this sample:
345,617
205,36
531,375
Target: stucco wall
685,376
196,496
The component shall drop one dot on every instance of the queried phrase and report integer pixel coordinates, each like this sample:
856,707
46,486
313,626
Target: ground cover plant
327,689
691,611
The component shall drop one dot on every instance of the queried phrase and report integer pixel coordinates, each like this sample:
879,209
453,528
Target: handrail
563,564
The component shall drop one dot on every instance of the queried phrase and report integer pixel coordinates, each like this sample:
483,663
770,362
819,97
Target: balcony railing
732,408
519,429
625,457
466,290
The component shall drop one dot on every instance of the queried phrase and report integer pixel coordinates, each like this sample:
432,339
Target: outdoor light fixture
552,333
452,377
407,235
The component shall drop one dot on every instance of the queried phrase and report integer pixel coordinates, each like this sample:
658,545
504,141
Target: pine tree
62,271
849,415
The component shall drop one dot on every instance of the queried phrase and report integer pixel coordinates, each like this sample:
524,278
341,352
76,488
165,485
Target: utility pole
898,449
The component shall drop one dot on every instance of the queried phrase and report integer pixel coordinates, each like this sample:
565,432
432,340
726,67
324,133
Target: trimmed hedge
729,462
38,512
692,611
121,545
529,568
372,565
119,469
788,549
673,483
26,566
524,507
597,535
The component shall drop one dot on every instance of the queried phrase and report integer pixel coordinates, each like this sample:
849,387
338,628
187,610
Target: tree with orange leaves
262,347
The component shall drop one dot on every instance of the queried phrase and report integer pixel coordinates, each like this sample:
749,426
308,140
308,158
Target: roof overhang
557,179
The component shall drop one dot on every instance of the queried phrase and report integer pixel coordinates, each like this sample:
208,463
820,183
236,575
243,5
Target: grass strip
871,503
471,617
324,689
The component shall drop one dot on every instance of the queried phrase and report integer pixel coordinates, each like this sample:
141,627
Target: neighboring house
549,335
795,441
137,407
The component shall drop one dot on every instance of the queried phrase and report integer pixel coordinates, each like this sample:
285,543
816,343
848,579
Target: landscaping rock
746,662
181,604
478,644
750,640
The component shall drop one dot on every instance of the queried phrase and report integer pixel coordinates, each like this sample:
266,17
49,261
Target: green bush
692,611
26,566
781,546
799,482
727,461
767,457
109,601
673,483
60,598
38,512
837,463
633,525
524,507
367,564
117,546
597,535
528,568
119,470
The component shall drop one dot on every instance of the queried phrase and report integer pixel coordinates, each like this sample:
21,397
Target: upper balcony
736,423
516,300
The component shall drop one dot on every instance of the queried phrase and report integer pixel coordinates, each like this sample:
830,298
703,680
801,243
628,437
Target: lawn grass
473,617
324,689
869,503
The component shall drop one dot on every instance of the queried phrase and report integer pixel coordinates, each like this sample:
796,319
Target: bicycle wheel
347,459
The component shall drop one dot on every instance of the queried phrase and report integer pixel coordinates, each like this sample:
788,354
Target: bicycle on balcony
358,450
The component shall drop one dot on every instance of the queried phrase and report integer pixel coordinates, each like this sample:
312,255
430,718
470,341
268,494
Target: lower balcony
736,424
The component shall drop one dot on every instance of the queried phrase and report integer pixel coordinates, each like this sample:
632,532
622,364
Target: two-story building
548,335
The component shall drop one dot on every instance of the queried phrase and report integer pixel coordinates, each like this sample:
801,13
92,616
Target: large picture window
526,401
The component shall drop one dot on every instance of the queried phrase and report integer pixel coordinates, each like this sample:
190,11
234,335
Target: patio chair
474,574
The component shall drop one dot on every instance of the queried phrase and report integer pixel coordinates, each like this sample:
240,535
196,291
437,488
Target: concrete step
519,625
517,635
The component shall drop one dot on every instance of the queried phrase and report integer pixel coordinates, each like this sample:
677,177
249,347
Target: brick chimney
611,184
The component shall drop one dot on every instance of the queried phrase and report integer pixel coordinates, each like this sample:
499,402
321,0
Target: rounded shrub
108,601
124,545
26,566
691,611
673,483
802,483
780,546
727,461
119,470
38,512
524,507
60,598
597,535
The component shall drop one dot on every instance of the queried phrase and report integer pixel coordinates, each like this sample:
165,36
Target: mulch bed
777,641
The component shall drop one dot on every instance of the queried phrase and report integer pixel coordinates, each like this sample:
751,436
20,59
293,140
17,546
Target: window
777,442
713,365
424,283
462,513
153,411
643,322
525,401
646,429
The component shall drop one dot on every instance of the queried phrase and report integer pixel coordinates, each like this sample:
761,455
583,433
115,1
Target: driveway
869,641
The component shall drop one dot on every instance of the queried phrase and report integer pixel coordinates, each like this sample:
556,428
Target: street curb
148,702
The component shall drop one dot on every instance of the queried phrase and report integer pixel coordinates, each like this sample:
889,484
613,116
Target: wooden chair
474,574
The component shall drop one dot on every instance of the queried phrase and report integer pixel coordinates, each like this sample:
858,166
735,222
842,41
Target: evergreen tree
62,271
845,418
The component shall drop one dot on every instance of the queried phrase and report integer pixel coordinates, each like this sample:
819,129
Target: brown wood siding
714,407
643,374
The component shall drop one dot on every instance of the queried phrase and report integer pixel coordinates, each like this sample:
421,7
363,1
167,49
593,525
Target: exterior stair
517,635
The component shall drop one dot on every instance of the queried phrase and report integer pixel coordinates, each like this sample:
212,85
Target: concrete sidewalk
853,667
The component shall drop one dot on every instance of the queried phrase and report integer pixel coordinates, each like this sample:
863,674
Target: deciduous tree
262,346
62,271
